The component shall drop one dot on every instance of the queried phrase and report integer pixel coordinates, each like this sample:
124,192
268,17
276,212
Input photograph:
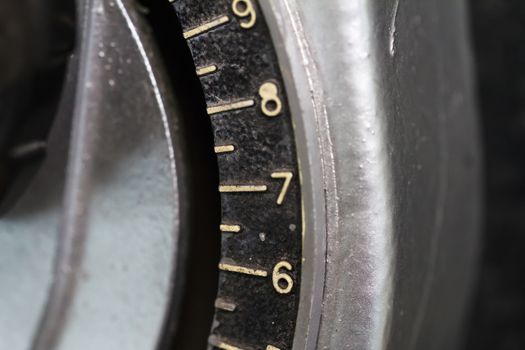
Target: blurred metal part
24,37
29,236
36,40
116,236
388,141
34,35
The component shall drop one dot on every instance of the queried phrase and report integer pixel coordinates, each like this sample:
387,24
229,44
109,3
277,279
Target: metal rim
362,224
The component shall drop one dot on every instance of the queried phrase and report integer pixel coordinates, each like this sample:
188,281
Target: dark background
497,321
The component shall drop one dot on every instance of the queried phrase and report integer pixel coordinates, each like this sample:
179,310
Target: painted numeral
282,282
271,104
244,9
287,176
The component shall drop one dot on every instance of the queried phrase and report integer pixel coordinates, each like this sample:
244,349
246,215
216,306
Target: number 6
279,278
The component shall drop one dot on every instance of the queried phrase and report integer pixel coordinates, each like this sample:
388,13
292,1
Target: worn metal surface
103,264
387,88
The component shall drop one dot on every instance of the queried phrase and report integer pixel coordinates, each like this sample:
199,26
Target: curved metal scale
256,306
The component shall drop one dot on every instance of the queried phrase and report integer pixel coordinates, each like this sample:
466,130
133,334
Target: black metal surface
498,318
270,233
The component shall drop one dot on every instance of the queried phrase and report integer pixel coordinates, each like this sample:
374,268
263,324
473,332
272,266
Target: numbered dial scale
260,267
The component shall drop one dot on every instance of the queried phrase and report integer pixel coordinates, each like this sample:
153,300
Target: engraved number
244,9
287,176
282,282
271,103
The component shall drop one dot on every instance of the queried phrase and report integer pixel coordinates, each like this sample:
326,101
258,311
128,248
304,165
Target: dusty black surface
245,59
498,318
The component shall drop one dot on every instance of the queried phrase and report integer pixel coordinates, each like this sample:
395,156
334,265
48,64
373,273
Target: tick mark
230,228
214,341
206,27
230,107
206,70
222,304
243,270
224,149
242,188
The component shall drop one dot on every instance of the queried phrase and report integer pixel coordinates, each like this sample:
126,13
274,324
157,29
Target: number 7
287,176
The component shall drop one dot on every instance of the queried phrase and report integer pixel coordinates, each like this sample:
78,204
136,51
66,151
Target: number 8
271,104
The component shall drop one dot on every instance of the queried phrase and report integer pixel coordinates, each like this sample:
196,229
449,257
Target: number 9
245,9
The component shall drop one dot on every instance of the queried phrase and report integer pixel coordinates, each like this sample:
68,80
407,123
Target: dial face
260,267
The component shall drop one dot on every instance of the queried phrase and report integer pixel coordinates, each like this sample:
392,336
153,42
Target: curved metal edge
72,232
167,104
347,51
345,249
36,216
315,156
70,247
